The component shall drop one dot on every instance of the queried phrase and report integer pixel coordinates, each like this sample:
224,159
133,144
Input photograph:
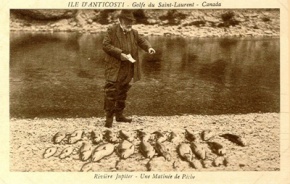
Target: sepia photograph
144,90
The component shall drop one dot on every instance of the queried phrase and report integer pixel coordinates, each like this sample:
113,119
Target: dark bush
173,16
228,19
140,17
228,16
104,16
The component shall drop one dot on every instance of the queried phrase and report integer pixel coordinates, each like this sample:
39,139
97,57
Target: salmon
96,137
124,145
196,164
49,152
239,140
207,135
125,149
198,150
160,136
126,135
102,151
85,151
66,152
126,154
143,135
146,137
111,136
147,149
217,148
58,137
162,150
87,167
191,136
185,152
76,136
174,137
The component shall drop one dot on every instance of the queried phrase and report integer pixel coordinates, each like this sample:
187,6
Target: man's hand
151,51
124,57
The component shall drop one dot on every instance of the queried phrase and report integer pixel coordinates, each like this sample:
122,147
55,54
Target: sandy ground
29,138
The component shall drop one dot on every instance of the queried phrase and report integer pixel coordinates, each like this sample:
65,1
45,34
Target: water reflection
62,75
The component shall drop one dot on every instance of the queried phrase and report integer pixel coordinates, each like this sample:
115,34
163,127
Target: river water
62,75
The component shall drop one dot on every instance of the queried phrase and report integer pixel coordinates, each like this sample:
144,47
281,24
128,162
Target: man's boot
109,119
121,118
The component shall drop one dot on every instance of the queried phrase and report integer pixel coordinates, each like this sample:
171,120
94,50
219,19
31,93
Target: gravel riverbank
30,137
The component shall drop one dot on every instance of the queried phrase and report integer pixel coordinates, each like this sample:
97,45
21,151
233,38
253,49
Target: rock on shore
187,23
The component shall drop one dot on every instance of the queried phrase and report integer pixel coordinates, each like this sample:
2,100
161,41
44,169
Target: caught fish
96,137
191,136
147,149
76,136
160,136
85,147
66,152
125,149
49,152
102,151
85,151
217,148
239,140
87,167
146,137
207,135
58,137
111,136
126,154
143,135
162,150
198,150
174,137
126,135
196,164
185,152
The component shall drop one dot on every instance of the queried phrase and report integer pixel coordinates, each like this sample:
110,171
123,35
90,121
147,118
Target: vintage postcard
144,91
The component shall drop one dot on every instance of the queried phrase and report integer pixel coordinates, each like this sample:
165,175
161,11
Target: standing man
122,64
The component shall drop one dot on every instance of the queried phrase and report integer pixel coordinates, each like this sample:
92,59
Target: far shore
159,30
185,23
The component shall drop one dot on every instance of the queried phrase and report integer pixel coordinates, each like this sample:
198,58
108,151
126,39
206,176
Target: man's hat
127,14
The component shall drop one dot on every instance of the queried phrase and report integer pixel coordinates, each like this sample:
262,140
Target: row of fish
98,136
85,152
193,152
111,137
196,154
63,137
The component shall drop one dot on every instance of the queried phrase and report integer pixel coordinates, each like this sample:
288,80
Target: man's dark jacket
114,44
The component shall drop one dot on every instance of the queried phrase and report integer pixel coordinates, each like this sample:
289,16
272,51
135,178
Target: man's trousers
115,96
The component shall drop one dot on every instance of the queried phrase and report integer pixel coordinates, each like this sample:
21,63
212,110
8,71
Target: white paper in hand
130,58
